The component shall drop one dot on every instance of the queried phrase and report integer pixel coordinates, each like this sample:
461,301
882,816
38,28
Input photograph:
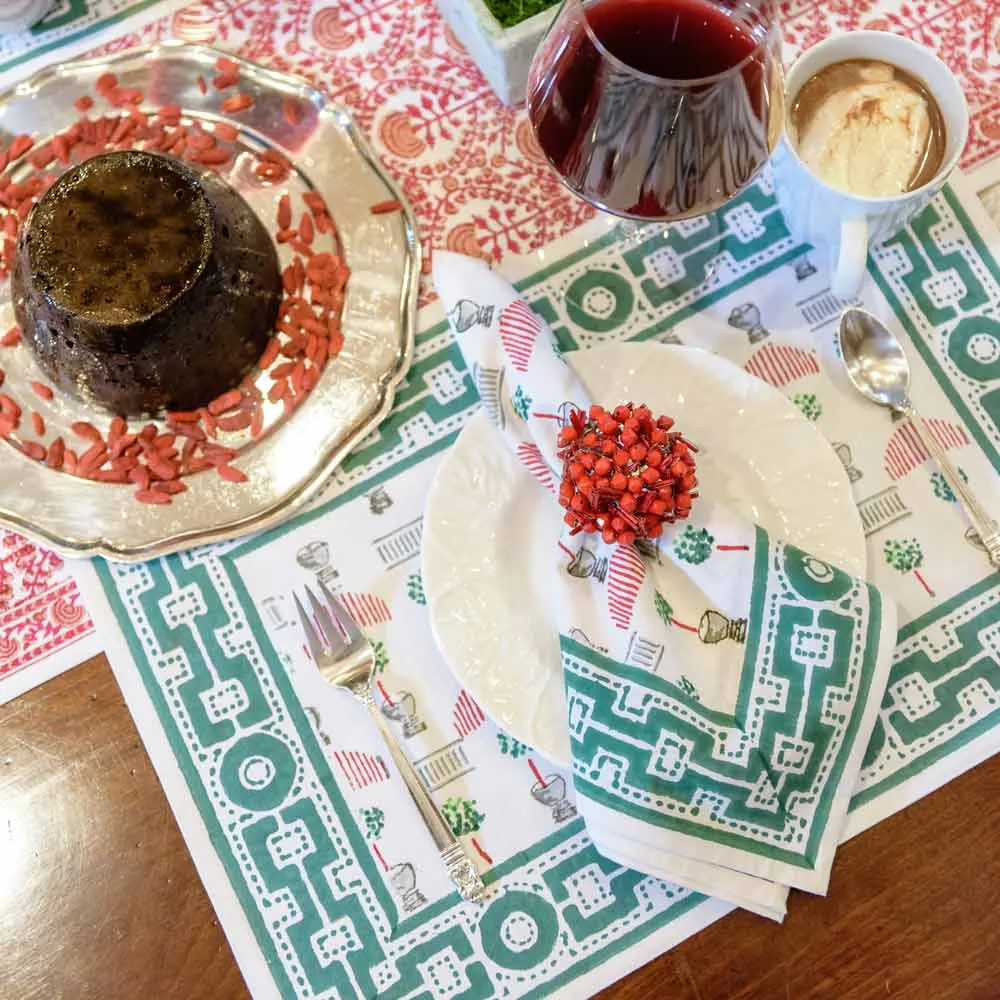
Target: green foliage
381,656
374,820
693,545
663,608
903,554
941,488
462,816
415,588
520,403
511,747
688,688
809,404
511,12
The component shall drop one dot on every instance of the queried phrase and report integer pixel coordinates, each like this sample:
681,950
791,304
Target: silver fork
346,660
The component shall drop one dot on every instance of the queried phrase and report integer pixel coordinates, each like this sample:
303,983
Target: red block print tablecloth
469,165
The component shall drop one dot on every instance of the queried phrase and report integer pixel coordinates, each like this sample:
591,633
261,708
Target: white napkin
721,685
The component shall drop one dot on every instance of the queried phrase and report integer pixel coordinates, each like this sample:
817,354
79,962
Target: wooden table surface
99,898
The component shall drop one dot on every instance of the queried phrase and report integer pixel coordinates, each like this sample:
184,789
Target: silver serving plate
289,463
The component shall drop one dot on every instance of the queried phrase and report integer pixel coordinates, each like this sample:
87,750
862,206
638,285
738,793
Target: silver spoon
879,370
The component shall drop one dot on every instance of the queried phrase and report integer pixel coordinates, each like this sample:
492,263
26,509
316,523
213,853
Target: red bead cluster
625,473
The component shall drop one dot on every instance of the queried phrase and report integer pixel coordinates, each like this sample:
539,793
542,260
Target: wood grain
98,896
99,899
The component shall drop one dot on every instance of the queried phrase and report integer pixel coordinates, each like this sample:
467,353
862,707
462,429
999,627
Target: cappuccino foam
867,128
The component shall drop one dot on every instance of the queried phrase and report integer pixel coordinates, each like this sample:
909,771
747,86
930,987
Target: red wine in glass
657,109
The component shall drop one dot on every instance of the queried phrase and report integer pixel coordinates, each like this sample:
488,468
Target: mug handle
851,258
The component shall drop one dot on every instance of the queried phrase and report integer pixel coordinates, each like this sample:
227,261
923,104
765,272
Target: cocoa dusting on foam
868,128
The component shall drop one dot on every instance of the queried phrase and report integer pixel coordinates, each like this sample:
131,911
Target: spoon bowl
876,364
874,358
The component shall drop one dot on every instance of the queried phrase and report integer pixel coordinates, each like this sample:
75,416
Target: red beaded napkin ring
625,473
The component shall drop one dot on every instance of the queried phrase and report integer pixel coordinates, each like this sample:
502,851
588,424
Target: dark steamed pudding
144,285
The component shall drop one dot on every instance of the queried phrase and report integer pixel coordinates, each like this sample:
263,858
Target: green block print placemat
307,843
72,27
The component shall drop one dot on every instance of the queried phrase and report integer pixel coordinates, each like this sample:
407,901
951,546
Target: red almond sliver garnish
9,410
152,496
314,202
20,146
183,417
385,207
236,422
227,401
237,103
105,83
57,451
225,80
87,431
223,130
270,353
172,487
284,212
231,474
211,157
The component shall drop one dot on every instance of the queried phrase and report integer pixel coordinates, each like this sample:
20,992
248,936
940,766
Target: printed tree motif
666,613
809,404
693,545
520,403
906,556
511,747
381,656
374,820
462,816
415,588
688,688
941,488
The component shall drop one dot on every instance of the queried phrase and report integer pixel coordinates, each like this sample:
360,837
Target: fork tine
344,616
315,646
334,637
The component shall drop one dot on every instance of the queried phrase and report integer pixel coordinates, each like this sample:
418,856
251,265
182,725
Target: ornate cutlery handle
987,528
461,867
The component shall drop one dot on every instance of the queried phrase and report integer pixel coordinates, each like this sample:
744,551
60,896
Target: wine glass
658,110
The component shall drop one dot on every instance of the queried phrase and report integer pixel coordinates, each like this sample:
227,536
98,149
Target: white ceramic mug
845,225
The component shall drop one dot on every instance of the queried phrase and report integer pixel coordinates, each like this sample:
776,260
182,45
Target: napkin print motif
626,572
534,461
519,329
721,703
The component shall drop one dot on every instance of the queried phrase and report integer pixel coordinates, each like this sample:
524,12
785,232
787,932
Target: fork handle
461,867
986,527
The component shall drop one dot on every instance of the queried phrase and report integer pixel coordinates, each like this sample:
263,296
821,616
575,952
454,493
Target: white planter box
503,54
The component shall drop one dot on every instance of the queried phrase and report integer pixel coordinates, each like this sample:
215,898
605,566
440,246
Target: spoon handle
985,526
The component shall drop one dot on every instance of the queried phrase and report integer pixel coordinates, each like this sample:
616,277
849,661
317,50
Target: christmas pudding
144,285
